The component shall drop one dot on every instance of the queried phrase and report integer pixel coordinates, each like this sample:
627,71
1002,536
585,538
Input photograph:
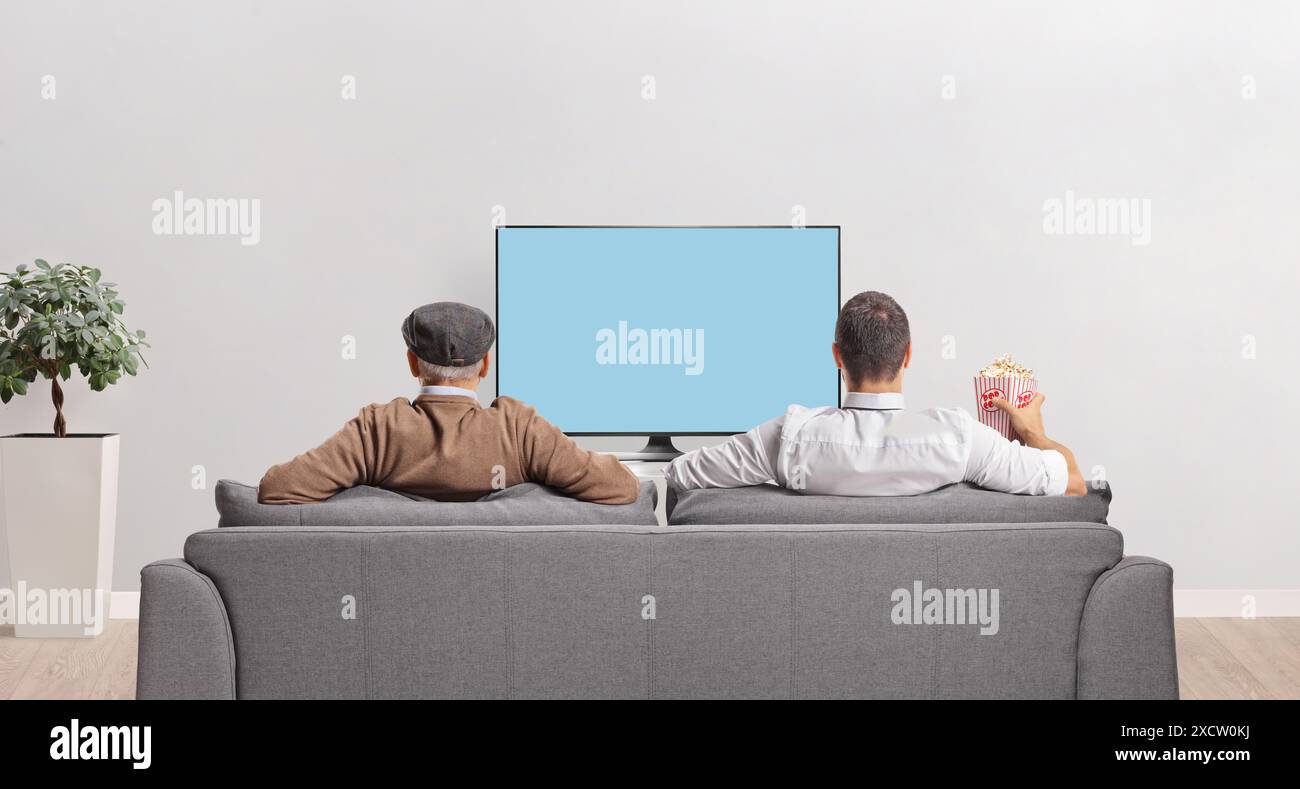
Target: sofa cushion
528,504
959,503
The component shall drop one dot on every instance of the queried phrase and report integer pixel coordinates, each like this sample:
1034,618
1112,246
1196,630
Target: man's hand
1028,423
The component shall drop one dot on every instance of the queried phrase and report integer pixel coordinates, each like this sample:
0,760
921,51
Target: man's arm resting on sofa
740,461
1028,422
553,459
339,463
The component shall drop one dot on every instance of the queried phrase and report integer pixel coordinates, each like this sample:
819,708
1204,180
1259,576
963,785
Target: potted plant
60,488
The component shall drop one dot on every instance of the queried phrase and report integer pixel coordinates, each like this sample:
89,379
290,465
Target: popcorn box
1013,389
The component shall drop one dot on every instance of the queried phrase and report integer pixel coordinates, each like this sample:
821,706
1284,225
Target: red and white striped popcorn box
1012,389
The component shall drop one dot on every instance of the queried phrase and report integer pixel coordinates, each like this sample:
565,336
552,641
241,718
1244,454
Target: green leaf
72,307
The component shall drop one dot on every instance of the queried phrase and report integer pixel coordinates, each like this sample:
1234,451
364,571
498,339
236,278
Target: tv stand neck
658,447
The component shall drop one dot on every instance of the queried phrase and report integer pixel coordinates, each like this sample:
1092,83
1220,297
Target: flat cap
449,333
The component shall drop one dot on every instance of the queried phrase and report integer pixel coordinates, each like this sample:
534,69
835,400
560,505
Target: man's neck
878,387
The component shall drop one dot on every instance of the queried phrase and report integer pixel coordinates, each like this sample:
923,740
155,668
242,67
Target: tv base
658,447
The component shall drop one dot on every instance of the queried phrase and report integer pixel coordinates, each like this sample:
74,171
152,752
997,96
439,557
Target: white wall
372,206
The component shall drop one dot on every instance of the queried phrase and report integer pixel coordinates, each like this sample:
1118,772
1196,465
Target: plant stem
56,394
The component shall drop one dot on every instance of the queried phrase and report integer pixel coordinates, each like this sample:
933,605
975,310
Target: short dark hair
872,335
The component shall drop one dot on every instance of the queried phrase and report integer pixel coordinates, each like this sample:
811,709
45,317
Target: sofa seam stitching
650,623
794,623
245,530
934,665
366,613
509,609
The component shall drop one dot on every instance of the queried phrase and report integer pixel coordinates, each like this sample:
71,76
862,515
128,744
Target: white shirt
872,447
454,391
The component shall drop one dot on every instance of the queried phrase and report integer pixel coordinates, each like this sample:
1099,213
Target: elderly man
871,446
444,444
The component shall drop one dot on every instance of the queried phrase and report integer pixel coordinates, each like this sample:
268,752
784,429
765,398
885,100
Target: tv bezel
496,307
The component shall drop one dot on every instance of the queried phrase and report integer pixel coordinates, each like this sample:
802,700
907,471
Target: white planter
59,511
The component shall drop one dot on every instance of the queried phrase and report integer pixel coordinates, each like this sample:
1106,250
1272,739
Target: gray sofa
340,609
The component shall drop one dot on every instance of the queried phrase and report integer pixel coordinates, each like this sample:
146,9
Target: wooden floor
1238,658
1217,659
69,668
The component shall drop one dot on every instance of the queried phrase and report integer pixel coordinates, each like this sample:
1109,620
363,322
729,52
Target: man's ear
907,358
414,363
835,351
484,366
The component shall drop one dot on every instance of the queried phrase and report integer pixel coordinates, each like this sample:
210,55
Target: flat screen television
664,331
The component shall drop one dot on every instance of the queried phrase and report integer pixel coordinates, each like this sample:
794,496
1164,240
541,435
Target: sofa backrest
623,611
527,504
957,503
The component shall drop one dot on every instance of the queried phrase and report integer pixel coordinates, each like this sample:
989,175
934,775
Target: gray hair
872,334
439,372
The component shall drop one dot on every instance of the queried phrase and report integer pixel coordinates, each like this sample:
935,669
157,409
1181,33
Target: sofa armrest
186,649
1126,635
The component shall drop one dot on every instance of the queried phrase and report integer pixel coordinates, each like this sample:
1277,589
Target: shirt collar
874,401
448,391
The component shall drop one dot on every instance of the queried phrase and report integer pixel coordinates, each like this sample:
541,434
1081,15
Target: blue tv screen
666,330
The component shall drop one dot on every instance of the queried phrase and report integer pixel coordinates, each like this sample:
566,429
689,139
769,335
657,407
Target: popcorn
1007,380
1005,367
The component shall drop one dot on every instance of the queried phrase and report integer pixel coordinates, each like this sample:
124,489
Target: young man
444,444
871,446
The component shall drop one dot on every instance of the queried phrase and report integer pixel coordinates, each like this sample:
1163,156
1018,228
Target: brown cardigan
449,448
